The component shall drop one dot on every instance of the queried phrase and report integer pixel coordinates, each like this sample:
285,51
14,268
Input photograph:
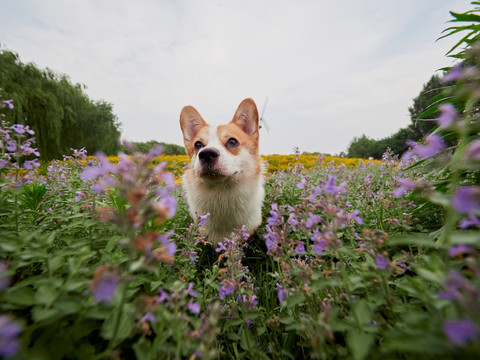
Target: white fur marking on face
227,163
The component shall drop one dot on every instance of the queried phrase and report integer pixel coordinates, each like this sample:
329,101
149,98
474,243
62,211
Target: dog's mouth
215,174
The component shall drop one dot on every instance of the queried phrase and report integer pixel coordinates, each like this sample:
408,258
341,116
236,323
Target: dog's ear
190,122
246,117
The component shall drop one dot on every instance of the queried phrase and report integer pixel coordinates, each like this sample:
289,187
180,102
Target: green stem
16,201
245,330
116,327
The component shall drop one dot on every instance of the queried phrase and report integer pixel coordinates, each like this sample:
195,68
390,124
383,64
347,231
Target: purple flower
291,220
249,301
104,287
203,219
169,203
319,242
354,216
4,163
454,74
190,290
312,220
460,331
193,307
163,295
281,292
301,184
473,151
9,103
433,145
79,196
458,250
471,221
317,191
405,185
220,247
9,331
154,152
300,249
271,240
466,199
192,257
170,246
149,317
447,116
30,164
272,220
226,289
455,285
21,129
381,261
331,187
11,146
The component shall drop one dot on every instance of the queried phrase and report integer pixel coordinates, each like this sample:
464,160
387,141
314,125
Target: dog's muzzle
208,156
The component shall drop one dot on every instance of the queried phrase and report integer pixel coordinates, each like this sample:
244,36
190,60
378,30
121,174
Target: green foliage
424,101
60,113
420,125
168,149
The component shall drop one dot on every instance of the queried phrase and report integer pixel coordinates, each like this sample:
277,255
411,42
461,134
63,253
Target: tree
59,112
422,127
362,147
168,149
365,147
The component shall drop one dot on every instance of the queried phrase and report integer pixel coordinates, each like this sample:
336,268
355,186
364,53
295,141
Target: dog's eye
232,142
198,145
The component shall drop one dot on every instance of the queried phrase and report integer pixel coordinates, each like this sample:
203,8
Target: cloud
331,70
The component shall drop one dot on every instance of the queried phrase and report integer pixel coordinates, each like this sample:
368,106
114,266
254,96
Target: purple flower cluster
235,278
460,331
16,144
104,284
9,331
148,191
8,103
306,218
432,146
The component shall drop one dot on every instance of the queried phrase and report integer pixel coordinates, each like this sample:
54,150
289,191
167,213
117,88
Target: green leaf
430,275
415,342
464,17
40,314
247,341
20,296
127,324
67,307
363,311
467,237
45,295
359,344
142,348
295,299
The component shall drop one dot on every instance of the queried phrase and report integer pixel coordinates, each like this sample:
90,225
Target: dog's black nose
208,155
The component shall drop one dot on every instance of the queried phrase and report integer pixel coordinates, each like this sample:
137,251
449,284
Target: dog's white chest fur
230,206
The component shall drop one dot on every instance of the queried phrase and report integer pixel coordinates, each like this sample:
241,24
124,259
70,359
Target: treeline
59,112
365,147
168,149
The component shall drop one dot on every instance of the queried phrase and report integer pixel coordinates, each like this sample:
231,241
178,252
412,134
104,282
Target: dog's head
222,152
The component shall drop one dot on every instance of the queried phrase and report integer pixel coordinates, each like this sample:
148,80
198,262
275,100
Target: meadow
102,260
355,259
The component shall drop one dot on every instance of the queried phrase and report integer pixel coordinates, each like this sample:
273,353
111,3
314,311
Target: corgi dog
225,175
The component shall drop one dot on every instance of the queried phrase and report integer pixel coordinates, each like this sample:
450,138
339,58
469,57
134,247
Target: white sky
332,70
